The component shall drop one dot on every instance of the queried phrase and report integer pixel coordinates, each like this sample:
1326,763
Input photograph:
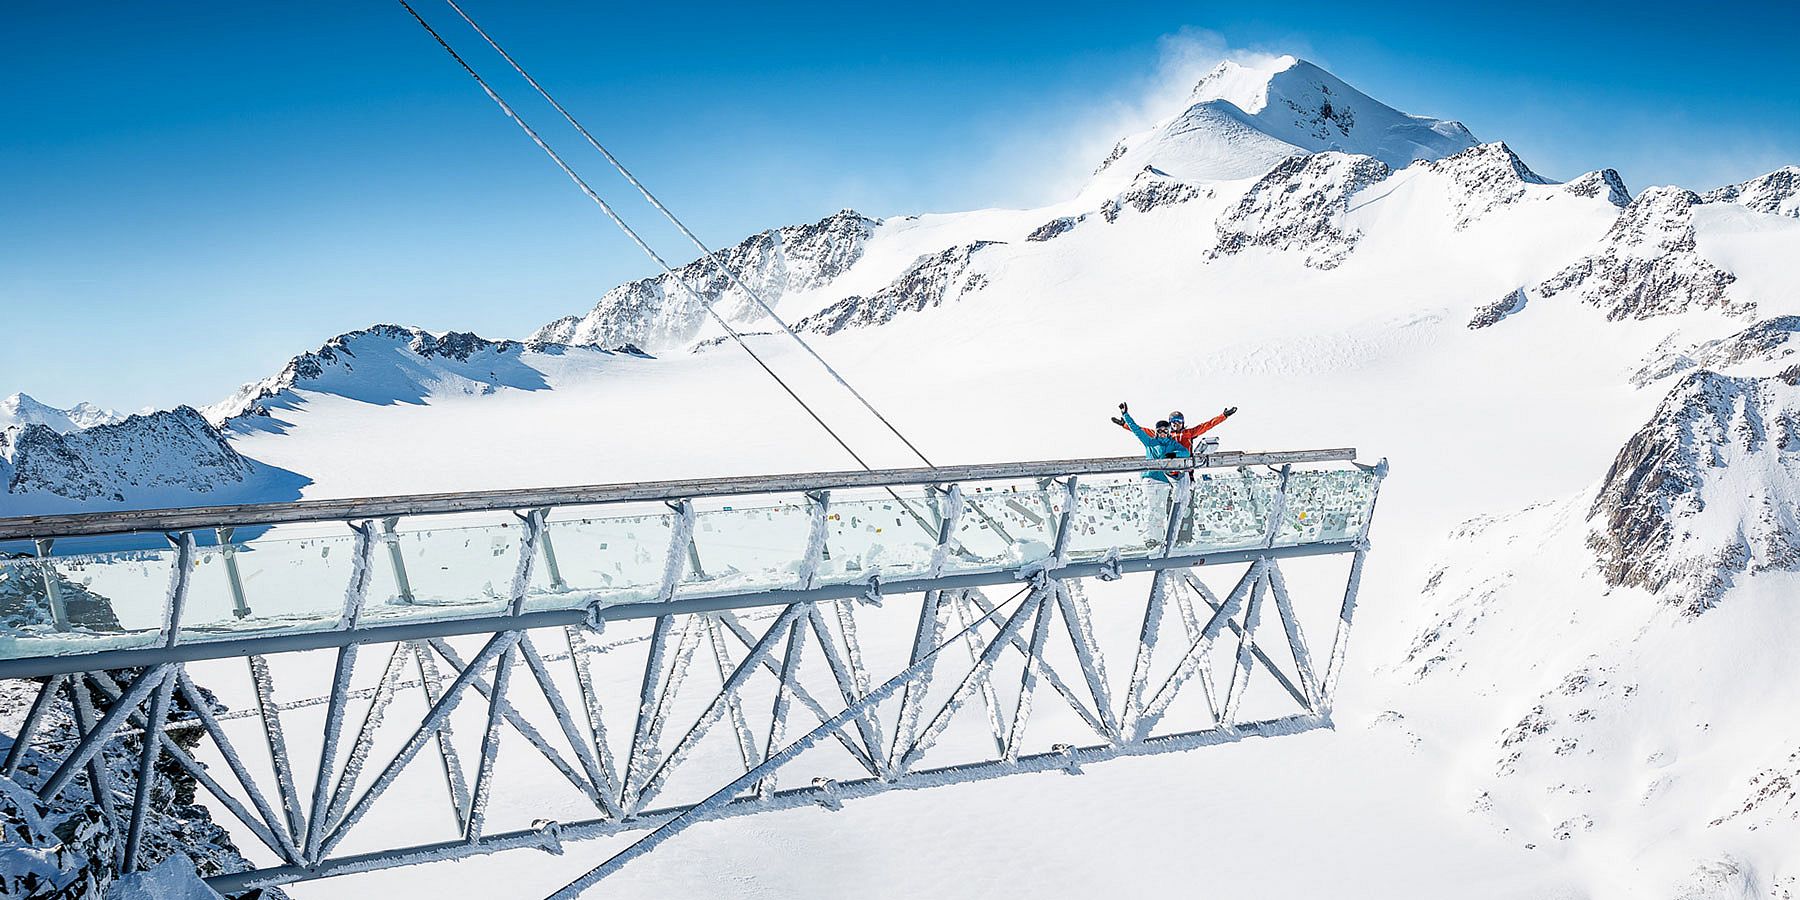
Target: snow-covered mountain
387,364
1573,650
658,314
20,409
145,460
1242,118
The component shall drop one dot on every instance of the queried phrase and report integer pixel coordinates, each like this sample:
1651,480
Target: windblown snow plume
1244,118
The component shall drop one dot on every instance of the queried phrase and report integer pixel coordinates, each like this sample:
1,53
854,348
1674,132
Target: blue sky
195,192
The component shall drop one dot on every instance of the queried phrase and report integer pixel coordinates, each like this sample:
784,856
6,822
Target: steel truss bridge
648,656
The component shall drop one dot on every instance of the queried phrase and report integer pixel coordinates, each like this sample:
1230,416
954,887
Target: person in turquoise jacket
1161,444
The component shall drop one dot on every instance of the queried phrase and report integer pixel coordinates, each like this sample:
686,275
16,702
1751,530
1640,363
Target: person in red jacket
1178,426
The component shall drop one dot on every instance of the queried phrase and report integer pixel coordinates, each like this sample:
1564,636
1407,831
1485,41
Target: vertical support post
1240,676
946,533
1278,511
1059,552
819,503
681,538
391,537
240,607
550,567
784,690
152,752
59,614
1040,631
354,595
175,606
533,524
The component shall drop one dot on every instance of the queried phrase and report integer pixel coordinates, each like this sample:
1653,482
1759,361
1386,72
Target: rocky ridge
1648,264
1299,208
1704,491
386,364
658,314
1487,177
175,449
932,280
1776,193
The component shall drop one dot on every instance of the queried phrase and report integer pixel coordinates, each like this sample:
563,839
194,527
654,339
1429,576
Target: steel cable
705,251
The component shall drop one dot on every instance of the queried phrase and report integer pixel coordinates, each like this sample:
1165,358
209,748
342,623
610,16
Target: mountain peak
23,409
1244,117
1242,84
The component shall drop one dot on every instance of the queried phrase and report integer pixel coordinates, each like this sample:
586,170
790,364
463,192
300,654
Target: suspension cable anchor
549,835
826,790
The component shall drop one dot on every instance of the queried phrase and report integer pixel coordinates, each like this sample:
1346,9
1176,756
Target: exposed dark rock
1487,177
659,313
1777,193
1597,183
1299,207
1648,263
932,280
1767,340
1648,528
1054,228
1492,313
174,448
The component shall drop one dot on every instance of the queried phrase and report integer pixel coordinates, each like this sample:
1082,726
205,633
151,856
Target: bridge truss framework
739,704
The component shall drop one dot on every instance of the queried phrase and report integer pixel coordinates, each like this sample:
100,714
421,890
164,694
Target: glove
1230,411
1118,421
1122,408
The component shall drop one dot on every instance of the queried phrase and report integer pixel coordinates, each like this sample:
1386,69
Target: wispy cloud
1046,162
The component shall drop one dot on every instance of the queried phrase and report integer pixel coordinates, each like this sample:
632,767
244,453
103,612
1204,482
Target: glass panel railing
109,601
1130,515
294,577
894,535
604,554
1006,525
1327,505
742,549
287,578
1228,511
442,568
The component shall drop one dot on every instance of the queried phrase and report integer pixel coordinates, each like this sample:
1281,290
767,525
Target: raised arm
1132,426
1189,434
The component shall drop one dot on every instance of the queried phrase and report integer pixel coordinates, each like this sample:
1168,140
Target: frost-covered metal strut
656,655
